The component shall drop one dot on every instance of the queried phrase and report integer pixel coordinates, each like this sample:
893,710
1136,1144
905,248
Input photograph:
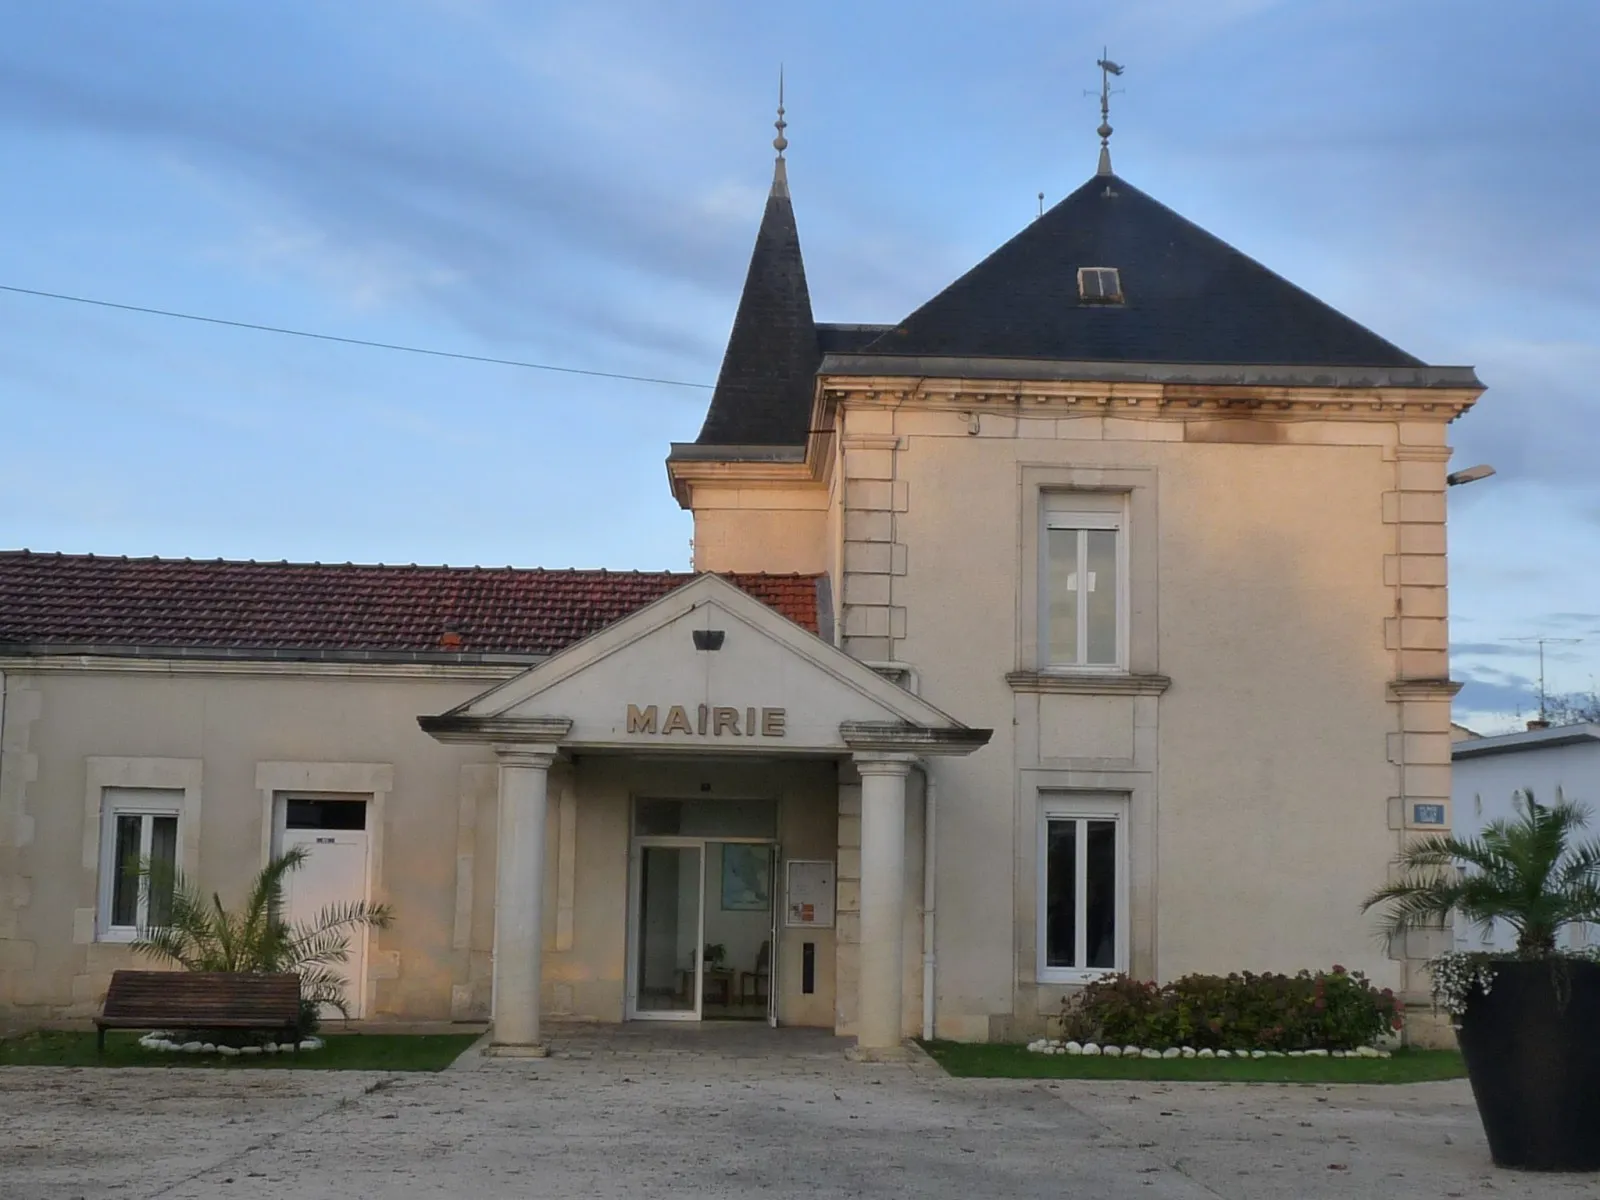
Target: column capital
538,758
885,764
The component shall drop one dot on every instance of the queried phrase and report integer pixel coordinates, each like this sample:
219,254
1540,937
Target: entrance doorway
702,928
333,831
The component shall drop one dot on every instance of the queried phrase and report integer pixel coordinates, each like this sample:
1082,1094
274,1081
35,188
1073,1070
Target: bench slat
201,999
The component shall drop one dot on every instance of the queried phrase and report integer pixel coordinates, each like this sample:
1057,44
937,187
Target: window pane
658,817
164,860
1101,900
325,814
1102,597
125,871
1061,586
1061,894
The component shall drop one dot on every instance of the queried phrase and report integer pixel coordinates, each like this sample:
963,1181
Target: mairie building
1090,618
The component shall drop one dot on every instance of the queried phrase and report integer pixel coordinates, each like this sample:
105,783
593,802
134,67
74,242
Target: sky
579,185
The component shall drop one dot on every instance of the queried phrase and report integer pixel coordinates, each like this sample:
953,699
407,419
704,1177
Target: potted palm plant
202,935
1528,1019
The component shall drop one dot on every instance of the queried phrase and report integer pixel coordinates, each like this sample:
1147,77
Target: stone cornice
1028,372
1154,400
1423,689
1087,684
685,472
501,732
890,737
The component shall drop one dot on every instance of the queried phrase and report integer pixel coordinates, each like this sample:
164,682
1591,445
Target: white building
1490,772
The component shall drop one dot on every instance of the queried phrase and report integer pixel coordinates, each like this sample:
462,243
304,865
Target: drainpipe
930,808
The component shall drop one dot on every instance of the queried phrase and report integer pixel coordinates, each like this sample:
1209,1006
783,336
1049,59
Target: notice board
810,893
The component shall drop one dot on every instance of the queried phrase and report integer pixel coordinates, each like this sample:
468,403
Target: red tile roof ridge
603,572
55,599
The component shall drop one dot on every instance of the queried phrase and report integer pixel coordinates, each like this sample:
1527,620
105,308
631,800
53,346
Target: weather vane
1107,70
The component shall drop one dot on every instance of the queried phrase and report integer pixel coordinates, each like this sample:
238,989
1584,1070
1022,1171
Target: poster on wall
746,878
810,893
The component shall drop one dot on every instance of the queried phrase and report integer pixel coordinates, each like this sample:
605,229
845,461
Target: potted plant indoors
1528,1019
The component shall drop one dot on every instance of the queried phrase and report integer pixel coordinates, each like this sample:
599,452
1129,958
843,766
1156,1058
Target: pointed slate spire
763,394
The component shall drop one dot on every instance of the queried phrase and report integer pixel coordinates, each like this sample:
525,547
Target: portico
709,696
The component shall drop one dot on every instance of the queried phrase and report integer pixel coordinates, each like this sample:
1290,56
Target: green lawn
344,1052
1006,1061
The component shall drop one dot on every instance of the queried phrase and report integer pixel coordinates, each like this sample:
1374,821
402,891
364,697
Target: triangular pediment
652,681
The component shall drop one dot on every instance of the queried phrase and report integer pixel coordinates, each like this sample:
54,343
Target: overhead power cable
350,341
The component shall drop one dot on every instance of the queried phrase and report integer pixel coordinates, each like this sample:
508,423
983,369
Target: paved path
722,1112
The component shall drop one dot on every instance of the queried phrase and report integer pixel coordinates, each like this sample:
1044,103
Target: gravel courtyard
727,1111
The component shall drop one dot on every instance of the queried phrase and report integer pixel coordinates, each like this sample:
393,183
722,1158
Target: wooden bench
201,1000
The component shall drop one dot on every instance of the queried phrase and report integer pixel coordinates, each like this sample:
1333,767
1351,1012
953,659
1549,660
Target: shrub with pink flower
1332,1010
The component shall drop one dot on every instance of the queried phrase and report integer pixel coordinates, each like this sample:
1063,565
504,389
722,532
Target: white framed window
1083,605
1100,285
1082,887
137,826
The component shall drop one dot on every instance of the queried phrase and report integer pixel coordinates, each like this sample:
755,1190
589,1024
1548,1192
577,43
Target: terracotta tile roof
62,600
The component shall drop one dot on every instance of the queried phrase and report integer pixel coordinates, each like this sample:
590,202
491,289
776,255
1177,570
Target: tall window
1084,599
1083,887
139,826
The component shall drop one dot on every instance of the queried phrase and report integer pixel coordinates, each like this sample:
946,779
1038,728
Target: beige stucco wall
225,724
433,832
782,530
1285,569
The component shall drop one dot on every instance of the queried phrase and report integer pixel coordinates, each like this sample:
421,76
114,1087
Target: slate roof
764,390
848,339
1190,298
61,602
1196,310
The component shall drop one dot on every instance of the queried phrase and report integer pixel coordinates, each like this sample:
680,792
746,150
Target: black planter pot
1532,1047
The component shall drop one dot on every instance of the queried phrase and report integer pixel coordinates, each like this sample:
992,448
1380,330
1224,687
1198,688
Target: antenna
1107,70
1554,641
1041,204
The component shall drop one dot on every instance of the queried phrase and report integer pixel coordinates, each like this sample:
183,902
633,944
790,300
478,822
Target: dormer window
1099,285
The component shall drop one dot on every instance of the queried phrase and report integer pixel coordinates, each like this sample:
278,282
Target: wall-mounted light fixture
708,639
1469,475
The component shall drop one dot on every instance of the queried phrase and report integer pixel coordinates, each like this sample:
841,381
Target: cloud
514,229
1486,650
1503,700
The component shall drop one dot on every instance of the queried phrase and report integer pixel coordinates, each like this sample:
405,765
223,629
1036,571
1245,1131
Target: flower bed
1242,1013
167,1043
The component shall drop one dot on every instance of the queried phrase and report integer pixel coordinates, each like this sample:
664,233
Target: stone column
883,881
519,894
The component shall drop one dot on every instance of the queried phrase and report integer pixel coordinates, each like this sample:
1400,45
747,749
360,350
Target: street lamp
1469,474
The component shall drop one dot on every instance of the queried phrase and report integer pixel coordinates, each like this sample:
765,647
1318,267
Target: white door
335,872
666,930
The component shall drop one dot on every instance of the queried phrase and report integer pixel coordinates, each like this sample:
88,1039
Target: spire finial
1107,70
780,143
780,169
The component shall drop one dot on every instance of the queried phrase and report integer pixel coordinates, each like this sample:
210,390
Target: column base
516,1050
878,1054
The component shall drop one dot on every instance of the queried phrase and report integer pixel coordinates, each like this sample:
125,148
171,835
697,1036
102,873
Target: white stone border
164,1042
1093,1049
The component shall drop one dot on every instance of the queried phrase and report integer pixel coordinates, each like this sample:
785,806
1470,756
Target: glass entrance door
669,881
